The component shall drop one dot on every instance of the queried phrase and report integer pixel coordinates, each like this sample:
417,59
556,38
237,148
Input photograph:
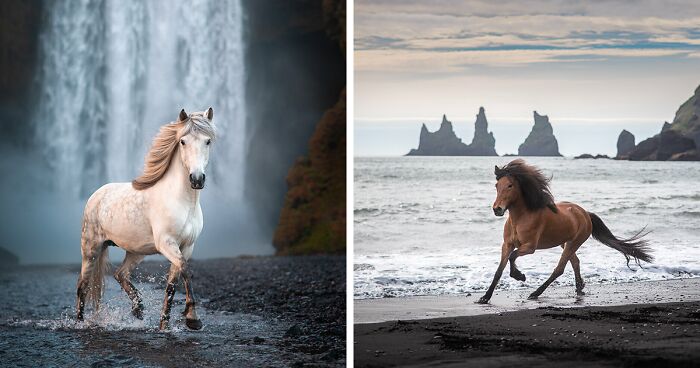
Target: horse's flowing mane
533,184
165,145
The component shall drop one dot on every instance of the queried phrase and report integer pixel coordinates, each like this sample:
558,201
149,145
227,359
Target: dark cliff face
679,140
312,218
625,144
19,34
444,141
295,67
541,140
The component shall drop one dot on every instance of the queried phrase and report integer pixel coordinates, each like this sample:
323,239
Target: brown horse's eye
182,142
510,185
208,141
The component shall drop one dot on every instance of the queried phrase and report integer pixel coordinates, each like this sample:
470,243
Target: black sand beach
637,335
257,311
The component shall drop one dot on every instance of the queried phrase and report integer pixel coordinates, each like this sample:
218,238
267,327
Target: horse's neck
176,184
517,211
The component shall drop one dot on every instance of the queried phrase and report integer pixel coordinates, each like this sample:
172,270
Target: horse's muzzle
197,181
498,211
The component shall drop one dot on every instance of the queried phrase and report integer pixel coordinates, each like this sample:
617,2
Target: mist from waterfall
110,74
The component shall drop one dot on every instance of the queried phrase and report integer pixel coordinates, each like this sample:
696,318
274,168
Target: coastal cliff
444,141
625,144
677,141
541,140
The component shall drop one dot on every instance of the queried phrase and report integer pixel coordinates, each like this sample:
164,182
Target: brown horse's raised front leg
505,251
173,276
191,319
520,251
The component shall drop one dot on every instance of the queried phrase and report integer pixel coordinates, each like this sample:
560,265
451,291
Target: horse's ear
210,113
496,170
183,115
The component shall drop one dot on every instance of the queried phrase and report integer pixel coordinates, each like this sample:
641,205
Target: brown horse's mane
165,145
534,186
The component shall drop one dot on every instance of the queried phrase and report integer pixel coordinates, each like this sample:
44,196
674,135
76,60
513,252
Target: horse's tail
96,283
634,246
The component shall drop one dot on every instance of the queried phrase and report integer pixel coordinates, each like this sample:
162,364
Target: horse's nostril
191,178
203,177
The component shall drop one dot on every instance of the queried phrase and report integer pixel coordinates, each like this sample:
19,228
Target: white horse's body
157,213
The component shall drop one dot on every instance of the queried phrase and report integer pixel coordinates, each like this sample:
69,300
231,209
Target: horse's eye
182,142
208,141
510,185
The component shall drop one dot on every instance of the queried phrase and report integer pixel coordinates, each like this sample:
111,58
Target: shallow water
37,328
424,225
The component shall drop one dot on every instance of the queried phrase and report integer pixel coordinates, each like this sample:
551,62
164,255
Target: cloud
451,35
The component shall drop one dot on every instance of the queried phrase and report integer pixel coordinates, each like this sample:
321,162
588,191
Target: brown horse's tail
634,246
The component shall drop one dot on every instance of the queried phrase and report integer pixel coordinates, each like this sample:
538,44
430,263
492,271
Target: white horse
158,212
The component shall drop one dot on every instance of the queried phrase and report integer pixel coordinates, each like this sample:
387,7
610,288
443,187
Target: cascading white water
112,72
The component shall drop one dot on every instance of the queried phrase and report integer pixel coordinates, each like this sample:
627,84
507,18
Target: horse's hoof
518,276
193,324
580,293
483,300
532,297
138,313
163,325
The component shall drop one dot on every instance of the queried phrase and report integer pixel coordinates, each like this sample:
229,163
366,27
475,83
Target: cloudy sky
594,67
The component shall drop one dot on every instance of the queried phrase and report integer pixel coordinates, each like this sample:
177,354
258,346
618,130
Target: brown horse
536,222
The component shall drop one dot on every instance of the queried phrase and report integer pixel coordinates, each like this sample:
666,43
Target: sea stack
625,144
444,141
483,143
541,140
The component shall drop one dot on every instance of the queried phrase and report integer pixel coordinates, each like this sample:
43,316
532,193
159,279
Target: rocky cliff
679,140
541,140
444,141
312,219
625,144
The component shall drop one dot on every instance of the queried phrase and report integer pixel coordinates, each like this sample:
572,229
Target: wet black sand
257,311
641,335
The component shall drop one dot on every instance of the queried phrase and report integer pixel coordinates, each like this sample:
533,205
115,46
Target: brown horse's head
519,180
507,193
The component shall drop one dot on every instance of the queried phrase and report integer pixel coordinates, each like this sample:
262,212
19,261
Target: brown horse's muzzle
499,211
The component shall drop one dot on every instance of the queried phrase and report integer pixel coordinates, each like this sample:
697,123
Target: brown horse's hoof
138,312
193,324
518,275
580,293
532,296
483,300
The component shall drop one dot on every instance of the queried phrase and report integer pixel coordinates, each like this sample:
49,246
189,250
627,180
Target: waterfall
112,72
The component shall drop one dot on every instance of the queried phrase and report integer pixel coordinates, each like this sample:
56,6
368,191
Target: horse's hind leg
569,249
123,277
576,265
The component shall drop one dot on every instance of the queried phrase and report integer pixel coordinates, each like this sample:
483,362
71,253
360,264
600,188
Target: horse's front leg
520,251
173,276
191,319
505,250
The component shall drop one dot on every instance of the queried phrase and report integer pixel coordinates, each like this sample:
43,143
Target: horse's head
507,192
195,141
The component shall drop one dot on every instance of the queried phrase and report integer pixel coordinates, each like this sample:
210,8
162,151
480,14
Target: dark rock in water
510,155
8,259
662,147
483,143
679,140
625,144
589,156
541,140
444,141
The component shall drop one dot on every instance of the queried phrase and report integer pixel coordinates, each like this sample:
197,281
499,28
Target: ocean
424,225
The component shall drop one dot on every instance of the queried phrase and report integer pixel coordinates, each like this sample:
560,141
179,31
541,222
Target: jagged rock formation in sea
625,144
444,141
541,140
679,140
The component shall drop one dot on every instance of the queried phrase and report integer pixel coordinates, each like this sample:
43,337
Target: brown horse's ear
183,115
496,170
210,113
